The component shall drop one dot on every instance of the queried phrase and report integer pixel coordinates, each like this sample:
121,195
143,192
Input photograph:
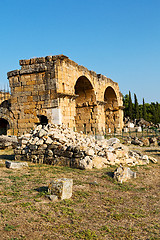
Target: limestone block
89,152
98,162
122,174
40,142
152,159
130,161
42,132
111,156
15,165
86,163
62,188
48,140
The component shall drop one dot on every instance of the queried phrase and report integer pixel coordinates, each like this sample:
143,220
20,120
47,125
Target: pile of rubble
143,141
58,145
8,141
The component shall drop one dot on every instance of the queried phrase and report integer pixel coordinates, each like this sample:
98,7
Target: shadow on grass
7,157
41,189
110,174
153,150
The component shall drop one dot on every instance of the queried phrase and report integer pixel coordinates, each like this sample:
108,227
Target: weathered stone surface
86,163
15,165
99,162
42,133
62,188
122,174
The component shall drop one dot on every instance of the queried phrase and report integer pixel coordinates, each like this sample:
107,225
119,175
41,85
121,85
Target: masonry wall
33,90
93,112
64,92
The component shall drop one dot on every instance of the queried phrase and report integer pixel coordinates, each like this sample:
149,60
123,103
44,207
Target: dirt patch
100,208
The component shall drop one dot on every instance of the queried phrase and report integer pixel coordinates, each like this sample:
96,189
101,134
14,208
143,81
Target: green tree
130,107
136,107
144,110
125,104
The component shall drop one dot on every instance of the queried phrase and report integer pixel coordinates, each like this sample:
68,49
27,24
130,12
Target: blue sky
117,38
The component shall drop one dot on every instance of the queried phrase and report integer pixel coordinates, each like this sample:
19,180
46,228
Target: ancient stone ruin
56,90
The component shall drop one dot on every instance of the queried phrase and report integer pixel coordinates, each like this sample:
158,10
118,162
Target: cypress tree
125,104
130,107
136,106
144,110
156,114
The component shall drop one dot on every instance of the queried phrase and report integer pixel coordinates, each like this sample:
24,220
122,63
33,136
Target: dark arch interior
4,126
43,119
82,85
109,94
85,104
111,110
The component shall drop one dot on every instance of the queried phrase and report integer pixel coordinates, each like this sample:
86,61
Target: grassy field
100,208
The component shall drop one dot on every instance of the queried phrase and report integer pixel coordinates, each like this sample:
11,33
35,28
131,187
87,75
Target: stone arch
85,105
6,115
111,110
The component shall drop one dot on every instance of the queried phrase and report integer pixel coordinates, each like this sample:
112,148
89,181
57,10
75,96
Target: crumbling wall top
41,60
42,64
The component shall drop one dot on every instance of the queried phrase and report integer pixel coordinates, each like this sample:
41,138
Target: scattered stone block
152,159
15,165
62,188
122,174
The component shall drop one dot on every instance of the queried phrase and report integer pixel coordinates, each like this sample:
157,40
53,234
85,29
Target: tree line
148,111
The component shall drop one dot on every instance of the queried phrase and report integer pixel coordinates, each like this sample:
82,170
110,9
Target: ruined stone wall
64,92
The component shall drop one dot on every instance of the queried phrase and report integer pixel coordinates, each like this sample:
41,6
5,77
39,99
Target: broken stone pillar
15,165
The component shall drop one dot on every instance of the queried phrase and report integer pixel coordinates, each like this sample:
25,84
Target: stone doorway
4,126
85,118
43,120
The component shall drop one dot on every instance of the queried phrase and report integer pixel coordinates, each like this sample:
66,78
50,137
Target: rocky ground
100,207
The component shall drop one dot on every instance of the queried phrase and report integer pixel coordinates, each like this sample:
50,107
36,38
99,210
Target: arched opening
85,106
111,110
43,120
4,126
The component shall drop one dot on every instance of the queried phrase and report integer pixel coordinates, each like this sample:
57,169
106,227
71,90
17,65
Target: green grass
100,208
